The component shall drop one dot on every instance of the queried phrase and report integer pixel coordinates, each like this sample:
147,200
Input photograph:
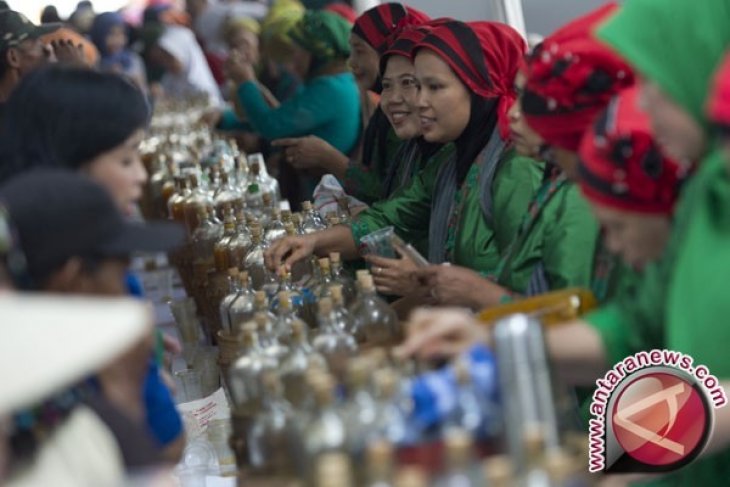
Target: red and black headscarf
380,25
571,78
485,56
719,102
407,40
622,167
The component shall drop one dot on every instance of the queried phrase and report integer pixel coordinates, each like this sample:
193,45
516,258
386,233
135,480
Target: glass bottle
267,337
225,195
469,413
254,192
205,238
286,285
240,172
311,219
271,437
285,316
254,262
322,289
379,464
360,410
340,276
459,471
221,249
267,184
297,363
245,373
176,203
374,321
198,197
341,316
261,305
242,308
296,219
325,431
239,245
343,211
390,422
234,284
336,347
275,229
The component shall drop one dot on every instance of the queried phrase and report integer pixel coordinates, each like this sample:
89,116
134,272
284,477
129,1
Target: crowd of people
599,158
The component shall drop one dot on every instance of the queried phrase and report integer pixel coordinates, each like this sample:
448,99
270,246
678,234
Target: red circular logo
661,419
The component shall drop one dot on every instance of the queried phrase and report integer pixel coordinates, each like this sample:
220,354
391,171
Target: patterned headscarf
485,56
407,40
380,25
719,102
323,34
571,77
620,164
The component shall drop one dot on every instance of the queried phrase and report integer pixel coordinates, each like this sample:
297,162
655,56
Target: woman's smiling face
399,99
444,103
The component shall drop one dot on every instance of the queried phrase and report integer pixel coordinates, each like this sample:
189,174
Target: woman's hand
239,69
289,251
69,54
394,276
436,334
311,152
458,286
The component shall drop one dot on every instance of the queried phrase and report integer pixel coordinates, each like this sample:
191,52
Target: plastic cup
379,243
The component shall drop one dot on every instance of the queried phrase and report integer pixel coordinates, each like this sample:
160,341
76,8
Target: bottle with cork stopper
341,316
242,308
340,276
297,363
374,321
335,345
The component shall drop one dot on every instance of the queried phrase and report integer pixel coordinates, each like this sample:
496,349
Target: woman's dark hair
65,117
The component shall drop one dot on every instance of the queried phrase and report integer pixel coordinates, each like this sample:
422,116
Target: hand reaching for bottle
310,152
393,276
444,333
289,250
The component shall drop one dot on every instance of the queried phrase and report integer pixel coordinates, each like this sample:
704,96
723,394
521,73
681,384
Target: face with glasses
399,99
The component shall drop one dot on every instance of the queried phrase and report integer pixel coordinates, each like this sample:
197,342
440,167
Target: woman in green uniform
470,206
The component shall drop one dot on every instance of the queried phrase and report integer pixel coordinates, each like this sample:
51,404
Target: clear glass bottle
254,192
295,366
176,203
221,250
360,411
322,289
226,194
240,172
286,285
296,219
242,308
343,211
254,262
326,431
459,471
234,285
205,237
272,437
240,245
374,321
198,197
261,305
379,464
468,413
285,316
336,346
267,184
341,316
245,374
275,229
312,221
267,337
340,276
391,422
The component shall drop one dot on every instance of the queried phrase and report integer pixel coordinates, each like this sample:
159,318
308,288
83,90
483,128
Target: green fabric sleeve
408,210
230,121
569,241
296,117
366,183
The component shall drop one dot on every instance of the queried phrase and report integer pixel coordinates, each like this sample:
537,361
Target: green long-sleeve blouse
476,244
681,301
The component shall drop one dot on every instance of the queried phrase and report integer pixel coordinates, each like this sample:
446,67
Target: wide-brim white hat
49,342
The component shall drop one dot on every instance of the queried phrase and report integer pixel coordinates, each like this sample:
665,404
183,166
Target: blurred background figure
50,15
109,34
83,17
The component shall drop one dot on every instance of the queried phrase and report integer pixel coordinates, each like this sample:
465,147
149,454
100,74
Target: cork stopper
358,372
458,447
261,319
461,372
334,470
324,265
285,300
243,278
256,230
560,467
336,294
411,476
498,470
289,228
361,272
366,282
271,382
323,386
386,382
325,306
533,438
251,219
233,272
380,456
296,219
260,300
307,205
285,216
335,257
378,356
248,336
298,329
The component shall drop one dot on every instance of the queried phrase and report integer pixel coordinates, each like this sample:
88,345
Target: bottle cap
306,205
233,272
334,257
324,263
325,306
260,300
336,293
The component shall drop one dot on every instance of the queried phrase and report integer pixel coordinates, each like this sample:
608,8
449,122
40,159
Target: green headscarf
677,44
324,34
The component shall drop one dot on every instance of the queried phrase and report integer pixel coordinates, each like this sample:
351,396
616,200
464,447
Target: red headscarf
622,167
719,103
344,11
571,77
485,56
407,40
380,25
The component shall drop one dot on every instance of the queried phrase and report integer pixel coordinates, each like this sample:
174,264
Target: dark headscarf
100,29
571,77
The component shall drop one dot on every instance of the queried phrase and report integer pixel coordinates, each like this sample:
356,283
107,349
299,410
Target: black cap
16,28
62,214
